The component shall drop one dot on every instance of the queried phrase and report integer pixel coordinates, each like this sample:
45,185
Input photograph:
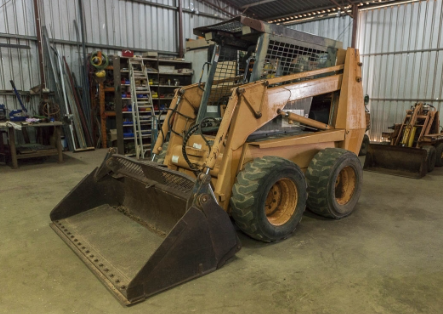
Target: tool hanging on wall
18,114
99,61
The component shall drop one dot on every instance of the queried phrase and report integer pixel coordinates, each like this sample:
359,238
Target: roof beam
329,7
231,4
253,4
332,11
336,3
217,7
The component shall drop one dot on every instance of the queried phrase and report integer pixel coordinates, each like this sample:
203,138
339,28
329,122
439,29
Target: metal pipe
386,110
401,59
414,100
303,120
71,128
170,7
437,54
218,8
15,46
85,87
378,114
429,56
422,54
180,29
416,45
90,45
354,25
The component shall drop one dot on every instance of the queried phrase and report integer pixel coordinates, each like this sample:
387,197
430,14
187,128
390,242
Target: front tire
269,198
431,157
439,155
334,183
364,146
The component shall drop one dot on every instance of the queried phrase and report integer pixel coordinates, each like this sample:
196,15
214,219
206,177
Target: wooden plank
41,153
12,147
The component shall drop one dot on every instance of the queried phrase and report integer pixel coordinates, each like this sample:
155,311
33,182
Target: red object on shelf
127,53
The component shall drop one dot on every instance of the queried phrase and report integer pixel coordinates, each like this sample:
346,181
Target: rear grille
152,173
231,27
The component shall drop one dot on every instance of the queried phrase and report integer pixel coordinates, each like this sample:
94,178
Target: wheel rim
281,202
345,185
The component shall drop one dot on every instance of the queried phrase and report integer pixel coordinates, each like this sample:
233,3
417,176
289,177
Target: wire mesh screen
284,59
228,74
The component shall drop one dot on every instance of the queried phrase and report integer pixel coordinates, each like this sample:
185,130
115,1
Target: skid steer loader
274,127
415,146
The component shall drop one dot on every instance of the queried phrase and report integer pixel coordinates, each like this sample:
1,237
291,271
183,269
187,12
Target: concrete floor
385,258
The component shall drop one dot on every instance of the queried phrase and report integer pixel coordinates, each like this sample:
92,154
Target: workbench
47,151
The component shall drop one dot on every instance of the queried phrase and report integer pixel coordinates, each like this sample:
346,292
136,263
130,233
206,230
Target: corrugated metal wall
402,56
339,28
401,46
17,26
110,26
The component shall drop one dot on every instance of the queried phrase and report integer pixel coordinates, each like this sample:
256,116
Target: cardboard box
166,68
150,54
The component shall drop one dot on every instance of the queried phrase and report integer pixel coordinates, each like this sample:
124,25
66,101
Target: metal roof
292,11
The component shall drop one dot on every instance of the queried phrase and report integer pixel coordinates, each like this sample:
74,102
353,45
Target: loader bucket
395,160
142,228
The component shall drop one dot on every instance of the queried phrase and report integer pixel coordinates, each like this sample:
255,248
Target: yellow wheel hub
281,202
345,185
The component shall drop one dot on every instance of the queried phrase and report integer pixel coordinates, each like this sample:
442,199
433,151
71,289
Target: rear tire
431,157
334,183
269,198
364,146
439,155
160,158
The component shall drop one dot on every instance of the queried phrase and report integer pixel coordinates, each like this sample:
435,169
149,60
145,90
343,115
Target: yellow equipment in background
415,146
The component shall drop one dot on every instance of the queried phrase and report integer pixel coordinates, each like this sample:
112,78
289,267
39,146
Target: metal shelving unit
162,85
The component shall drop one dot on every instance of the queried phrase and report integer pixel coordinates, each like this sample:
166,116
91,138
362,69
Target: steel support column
39,43
180,29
